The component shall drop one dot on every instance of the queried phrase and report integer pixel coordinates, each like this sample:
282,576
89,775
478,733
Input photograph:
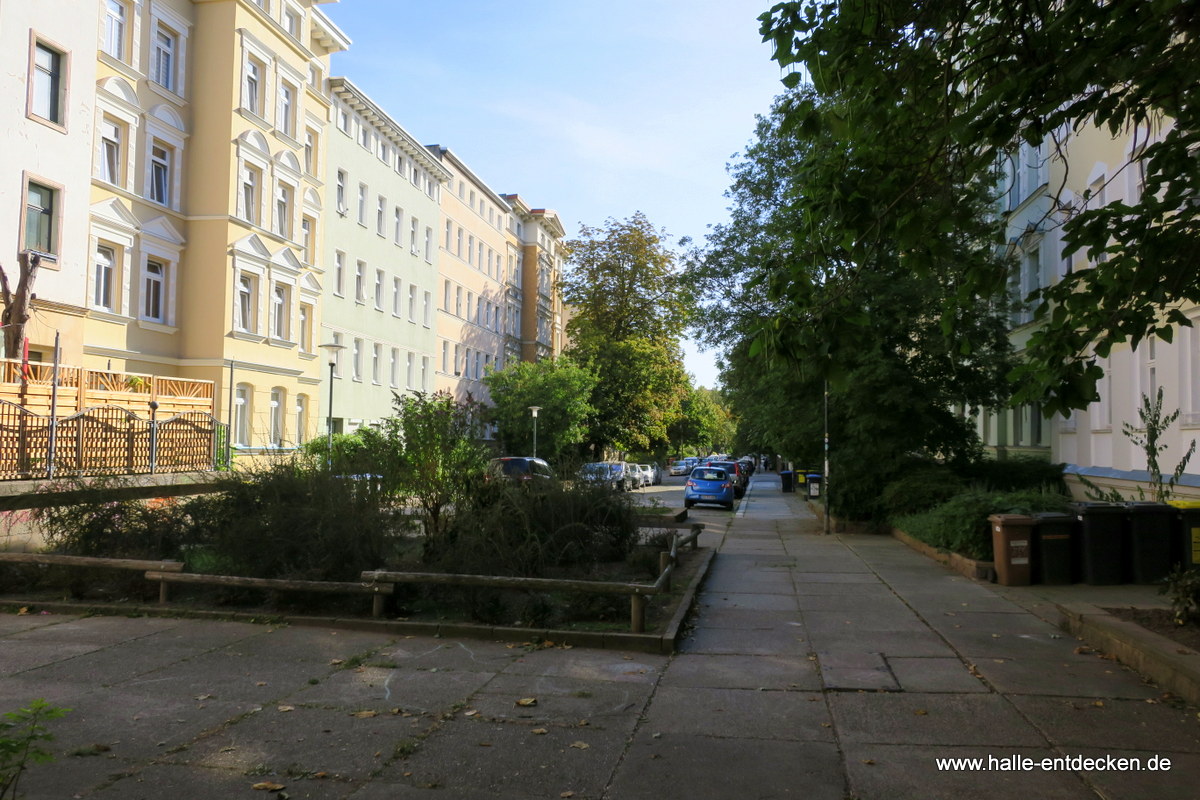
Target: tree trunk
16,305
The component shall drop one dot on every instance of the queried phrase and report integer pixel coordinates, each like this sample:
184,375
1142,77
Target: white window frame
278,415
105,271
242,400
153,287
116,29
47,85
163,18
281,311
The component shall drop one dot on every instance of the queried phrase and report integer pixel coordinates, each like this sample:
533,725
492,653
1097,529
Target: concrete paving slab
1067,677
691,767
1177,783
739,714
772,672
834,577
300,740
599,665
747,600
563,701
934,675
870,621
890,643
747,642
416,652
756,584
383,689
507,758
977,643
931,719
103,631
178,782
748,619
858,671
1080,722
385,789
865,602
226,676
910,772
71,776
20,657
16,623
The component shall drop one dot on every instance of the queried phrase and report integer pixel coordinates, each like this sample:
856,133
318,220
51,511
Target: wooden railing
32,386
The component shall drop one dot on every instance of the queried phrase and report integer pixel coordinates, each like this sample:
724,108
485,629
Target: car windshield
708,474
514,466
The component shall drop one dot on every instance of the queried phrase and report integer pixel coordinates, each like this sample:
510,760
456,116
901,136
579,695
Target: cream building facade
539,234
383,194
1090,170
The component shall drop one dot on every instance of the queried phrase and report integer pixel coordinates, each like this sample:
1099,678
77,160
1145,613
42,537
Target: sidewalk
824,667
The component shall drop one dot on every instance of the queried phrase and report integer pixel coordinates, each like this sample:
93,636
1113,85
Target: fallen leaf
1099,704
337,662
526,702
920,712
228,749
826,725
868,761
24,610
365,714
204,697
261,683
539,731
485,744
285,709
267,786
580,745
471,713
567,794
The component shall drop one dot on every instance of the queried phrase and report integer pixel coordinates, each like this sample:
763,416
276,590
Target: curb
976,570
1175,668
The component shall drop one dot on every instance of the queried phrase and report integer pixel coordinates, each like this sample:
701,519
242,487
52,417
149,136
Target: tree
560,387
16,304
808,306
439,461
631,309
946,88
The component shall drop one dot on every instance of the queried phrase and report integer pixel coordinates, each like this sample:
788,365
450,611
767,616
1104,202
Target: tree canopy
927,97
559,387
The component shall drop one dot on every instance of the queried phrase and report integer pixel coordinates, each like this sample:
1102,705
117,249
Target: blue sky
593,109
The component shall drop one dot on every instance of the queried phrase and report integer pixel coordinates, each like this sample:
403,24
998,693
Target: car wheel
729,506
688,504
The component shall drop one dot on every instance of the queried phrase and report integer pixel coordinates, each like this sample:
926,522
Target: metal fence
107,440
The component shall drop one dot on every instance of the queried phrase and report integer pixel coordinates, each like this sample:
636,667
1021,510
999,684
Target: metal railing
107,440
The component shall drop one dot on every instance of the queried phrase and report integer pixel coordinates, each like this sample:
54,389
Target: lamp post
332,349
533,410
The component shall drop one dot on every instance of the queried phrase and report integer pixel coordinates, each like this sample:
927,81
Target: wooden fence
33,387
108,440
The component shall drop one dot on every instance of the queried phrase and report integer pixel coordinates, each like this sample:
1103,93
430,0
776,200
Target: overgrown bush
291,520
534,530
113,528
1183,588
922,487
960,524
1015,474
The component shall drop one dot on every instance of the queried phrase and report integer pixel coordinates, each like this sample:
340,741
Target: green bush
291,520
22,734
113,528
1183,588
537,530
1015,474
960,524
922,487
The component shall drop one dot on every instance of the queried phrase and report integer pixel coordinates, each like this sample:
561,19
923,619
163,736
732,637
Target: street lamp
332,349
533,410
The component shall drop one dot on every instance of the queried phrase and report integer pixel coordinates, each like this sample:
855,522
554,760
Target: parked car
518,468
647,474
680,468
634,477
736,474
614,474
708,485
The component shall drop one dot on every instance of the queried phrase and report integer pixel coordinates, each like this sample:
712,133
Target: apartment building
539,234
383,197
1091,169
474,318
48,80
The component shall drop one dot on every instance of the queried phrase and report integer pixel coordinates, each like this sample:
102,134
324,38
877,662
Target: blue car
708,485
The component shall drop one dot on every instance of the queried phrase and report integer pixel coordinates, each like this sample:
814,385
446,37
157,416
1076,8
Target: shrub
108,528
1016,474
1183,588
924,486
289,520
21,735
960,524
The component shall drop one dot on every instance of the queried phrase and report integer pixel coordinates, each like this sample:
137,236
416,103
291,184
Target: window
105,268
360,272
364,135
241,415
301,418
253,88
429,244
112,134
457,359
449,225
380,214
408,380
280,311
376,358
412,303
458,301
41,218
47,84
341,192
163,59
459,243
398,224
251,180
470,249
445,356
114,29
310,151
291,21
306,312
284,195
424,373
446,297
356,353
161,158
287,109
307,226
379,289
396,284
362,204
427,309
337,356
339,273
153,291
394,368
247,303
277,410
412,240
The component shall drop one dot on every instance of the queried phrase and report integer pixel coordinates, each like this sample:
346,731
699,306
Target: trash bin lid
1184,503
1090,508
1052,516
1147,507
